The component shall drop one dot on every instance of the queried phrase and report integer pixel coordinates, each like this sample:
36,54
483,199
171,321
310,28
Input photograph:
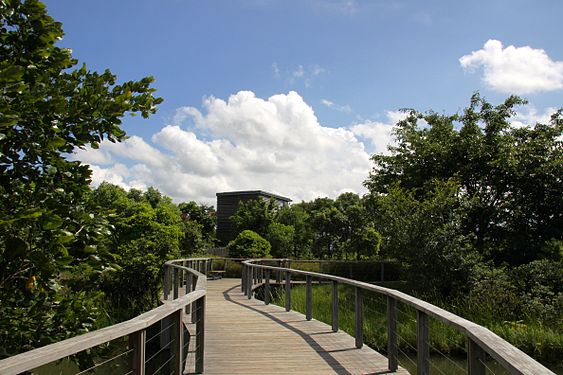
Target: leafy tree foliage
323,228
425,235
297,217
281,237
510,177
147,231
255,215
249,244
48,232
199,226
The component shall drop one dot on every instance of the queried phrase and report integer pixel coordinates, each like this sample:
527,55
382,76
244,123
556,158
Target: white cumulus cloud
529,117
245,142
340,108
380,134
515,70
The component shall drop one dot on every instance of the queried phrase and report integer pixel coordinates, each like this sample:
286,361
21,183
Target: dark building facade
227,205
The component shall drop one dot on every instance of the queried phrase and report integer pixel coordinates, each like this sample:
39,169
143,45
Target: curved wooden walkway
245,336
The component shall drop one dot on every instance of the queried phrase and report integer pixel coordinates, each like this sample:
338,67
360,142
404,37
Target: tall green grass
545,344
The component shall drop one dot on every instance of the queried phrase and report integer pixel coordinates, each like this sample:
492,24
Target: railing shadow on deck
307,337
481,342
191,274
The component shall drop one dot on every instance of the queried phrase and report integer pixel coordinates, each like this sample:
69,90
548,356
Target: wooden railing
188,273
480,340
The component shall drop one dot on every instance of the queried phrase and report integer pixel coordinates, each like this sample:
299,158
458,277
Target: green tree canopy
199,226
510,176
255,215
49,106
145,233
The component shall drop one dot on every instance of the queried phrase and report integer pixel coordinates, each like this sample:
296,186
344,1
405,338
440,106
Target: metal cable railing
163,352
418,316
105,362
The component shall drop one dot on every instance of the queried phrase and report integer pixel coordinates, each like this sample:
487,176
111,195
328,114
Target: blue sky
293,96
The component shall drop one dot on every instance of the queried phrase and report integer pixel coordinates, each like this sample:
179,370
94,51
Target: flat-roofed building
227,205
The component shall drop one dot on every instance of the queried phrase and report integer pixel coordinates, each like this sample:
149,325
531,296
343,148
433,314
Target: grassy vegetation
541,342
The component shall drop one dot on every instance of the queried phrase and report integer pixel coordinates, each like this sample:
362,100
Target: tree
510,177
49,107
366,242
147,231
249,244
199,226
281,237
297,216
426,236
255,215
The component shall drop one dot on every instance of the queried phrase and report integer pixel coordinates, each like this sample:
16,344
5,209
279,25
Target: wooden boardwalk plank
245,336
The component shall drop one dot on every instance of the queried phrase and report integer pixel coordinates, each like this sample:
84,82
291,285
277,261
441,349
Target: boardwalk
247,337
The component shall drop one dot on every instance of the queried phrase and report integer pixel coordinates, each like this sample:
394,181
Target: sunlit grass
543,343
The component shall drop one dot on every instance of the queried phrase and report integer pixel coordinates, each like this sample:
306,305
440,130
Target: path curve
245,336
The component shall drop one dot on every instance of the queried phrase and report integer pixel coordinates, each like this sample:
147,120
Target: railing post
334,306
267,288
278,273
422,347
178,342
176,282
475,358
309,298
189,278
137,341
392,353
243,279
166,281
193,304
250,281
359,327
200,335
287,291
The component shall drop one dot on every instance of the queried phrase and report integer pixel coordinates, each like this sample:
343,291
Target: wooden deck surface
245,336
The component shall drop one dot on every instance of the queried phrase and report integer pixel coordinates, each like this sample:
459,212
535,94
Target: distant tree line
324,228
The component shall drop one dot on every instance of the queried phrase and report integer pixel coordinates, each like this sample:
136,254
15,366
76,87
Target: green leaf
12,73
65,237
90,249
51,221
8,120
31,213
56,143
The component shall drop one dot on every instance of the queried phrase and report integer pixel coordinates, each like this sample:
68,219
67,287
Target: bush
249,244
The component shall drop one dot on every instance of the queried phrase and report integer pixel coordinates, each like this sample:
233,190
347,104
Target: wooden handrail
479,338
37,357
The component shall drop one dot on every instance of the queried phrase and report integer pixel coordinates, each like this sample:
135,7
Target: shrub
249,244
